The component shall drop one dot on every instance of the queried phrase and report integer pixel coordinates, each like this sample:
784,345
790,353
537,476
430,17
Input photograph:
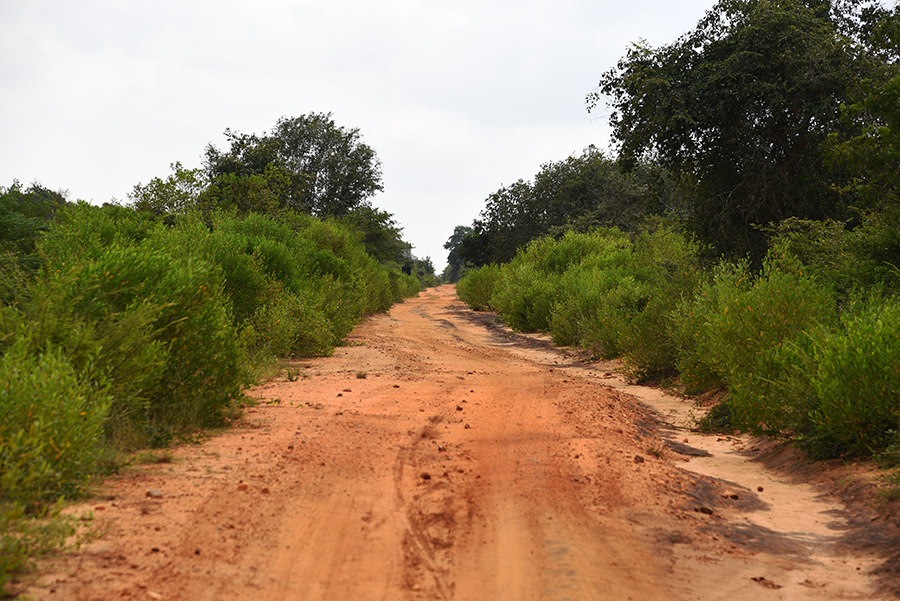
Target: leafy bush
50,424
151,328
857,383
289,325
662,270
747,333
477,286
524,295
82,231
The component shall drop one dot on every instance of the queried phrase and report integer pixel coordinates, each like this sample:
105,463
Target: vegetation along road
436,456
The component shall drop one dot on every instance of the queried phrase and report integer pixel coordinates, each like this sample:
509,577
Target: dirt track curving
435,458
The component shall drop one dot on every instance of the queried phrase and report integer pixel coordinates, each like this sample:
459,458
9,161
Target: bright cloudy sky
457,97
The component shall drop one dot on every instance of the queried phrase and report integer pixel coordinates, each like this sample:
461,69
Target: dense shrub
857,383
662,270
477,287
747,332
150,328
51,420
602,291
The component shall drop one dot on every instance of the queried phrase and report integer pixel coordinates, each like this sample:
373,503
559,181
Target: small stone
638,459
99,508
759,488
704,510
242,487
426,476
196,551
154,494
154,595
468,427
265,491
458,408
735,497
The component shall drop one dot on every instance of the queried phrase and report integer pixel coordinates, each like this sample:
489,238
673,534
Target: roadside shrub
289,325
402,286
582,314
615,297
857,383
152,327
524,296
51,422
748,333
82,231
664,269
477,287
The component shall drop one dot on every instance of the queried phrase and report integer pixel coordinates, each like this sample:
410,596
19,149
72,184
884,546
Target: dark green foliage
24,216
379,233
455,266
423,270
580,193
322,169
740,107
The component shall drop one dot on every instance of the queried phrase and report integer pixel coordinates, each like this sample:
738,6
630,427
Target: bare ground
438,457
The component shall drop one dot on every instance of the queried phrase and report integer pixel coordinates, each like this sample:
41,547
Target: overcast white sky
457,97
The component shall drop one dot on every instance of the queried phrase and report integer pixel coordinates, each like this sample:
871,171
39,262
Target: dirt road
435,458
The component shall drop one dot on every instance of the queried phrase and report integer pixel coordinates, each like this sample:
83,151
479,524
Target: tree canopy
580,192
327,169
740,107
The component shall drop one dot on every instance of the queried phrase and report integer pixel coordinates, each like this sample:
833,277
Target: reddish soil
437,457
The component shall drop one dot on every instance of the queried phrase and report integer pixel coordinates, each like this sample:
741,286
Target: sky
458,98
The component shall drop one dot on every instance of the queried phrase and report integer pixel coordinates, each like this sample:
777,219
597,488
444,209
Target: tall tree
380,233
739,107
454,261
330,170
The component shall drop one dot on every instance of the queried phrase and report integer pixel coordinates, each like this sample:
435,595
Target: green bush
51,422
152,327
524,296
663,269
857,383
82,231
289,325
477,287
747,333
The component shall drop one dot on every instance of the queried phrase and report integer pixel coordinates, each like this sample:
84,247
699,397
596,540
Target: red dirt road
433,458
